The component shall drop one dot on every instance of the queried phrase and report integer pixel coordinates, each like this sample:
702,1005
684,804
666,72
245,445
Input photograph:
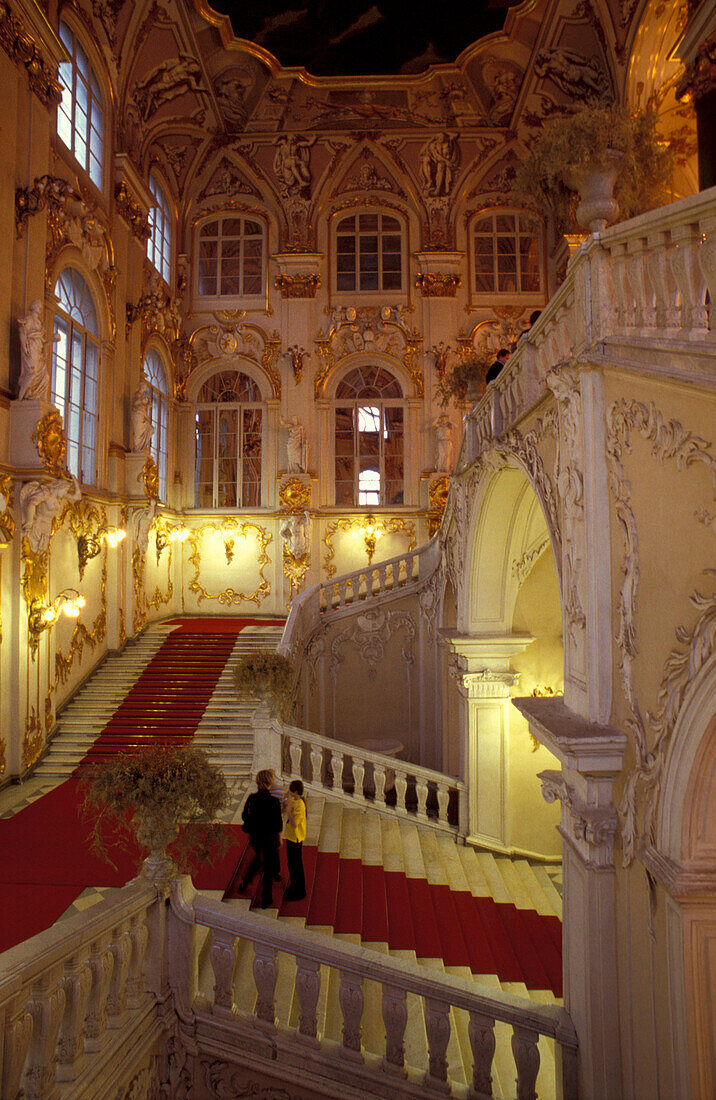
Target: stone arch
226,363
365,358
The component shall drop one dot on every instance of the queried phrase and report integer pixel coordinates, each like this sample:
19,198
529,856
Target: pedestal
24,418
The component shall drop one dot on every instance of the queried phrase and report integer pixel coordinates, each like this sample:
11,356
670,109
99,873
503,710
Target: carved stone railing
651,279
249,1021
370,779
73,997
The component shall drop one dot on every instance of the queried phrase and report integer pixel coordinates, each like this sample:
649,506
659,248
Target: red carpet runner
46,860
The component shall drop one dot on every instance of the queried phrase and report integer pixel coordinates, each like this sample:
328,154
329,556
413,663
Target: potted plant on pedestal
164,795
464,381
268,676
614,160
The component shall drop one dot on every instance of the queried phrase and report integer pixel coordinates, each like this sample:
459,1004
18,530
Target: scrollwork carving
230,597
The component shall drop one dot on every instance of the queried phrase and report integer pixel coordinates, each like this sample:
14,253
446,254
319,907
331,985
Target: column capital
589,828
485,683
481,652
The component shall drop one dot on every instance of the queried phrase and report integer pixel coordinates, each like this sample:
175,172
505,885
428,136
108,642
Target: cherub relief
167,81
291,165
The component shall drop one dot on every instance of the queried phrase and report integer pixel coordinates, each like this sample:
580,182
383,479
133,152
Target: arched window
80,120
159,245
75,371
507,253
229,419
157,378
369,438
230,262
369,253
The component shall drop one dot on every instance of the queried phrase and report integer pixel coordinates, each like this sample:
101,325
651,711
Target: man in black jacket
263,822
500,359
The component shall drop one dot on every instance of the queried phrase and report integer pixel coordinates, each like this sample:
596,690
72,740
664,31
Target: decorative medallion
49,437
294,495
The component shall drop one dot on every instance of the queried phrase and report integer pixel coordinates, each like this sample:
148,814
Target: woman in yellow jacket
294,835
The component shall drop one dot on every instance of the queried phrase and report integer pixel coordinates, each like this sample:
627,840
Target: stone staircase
224,730
441,877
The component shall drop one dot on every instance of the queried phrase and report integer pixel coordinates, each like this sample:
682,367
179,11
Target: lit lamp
42,616
228,537
167,535
372,530
89,545
113,536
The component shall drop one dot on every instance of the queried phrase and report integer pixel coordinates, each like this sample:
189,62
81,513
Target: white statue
296,533
291,165
34,375
142,428
295,445
443,443
142,521
439,159
40,504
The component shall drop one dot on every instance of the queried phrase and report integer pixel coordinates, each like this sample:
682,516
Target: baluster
389,578
350,997
640,287
138,937
294,751
619,282
379,780
443,801
308,986
18,1033
421,790
342,593
317,765
46,1006
707,263
381,579
265,975
222,955
481,1032
689,278
358,777
401,787
526,1054
335,596
101,964
362,586
76,982
437,1029
337,768
121,953
661,277
395,1018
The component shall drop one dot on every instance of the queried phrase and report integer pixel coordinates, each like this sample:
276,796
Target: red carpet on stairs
46,860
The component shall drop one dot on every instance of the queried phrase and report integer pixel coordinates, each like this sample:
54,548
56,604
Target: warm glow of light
179,534
114,536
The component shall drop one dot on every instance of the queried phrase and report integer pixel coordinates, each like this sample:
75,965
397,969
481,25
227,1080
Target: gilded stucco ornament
88,524
233,336
49,438
139,617
232,528
149,476
21,48
296,534
298,286
82,636
371,529
297,356
132,212
294,495
7,521
437,496
368,329
438,285
33,739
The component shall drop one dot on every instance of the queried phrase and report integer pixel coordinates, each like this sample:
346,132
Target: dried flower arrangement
465,376
269,674
159,796
586,139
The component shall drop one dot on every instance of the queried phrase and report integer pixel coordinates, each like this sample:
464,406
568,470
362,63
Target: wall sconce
166,535
89,545
229,539
372,530
42,616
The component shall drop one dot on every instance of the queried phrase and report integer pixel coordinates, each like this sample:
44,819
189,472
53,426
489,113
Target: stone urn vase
156,833
595,184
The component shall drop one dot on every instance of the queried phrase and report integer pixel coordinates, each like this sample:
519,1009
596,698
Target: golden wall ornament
132,212
3,763
437,496
295,570
233,337
269,359
140,616
158,599
297,286
49,438
32,742
298,355
434,285
373,528
7,521
149,476
294,495
82,637
327,360
231,528
34,584
22,49
411,364
122,629
49,714
50,193
88,524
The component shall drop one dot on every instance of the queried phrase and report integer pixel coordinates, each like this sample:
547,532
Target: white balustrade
351,966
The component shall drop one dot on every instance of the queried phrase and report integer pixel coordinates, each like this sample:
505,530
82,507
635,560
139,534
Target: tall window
75,362
369,438
228,442
369,253
231,258
160,242
157,378
507,249
80,121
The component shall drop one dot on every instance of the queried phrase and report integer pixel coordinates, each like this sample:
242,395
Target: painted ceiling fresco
363,37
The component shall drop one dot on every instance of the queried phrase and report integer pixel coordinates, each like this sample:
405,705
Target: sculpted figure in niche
290,164
142,428
443,443
579,77
439,159
34,375
295,445
295,532
142,521
172,78
40,504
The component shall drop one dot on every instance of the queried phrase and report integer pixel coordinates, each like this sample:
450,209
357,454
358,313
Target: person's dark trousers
266,857
294,858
